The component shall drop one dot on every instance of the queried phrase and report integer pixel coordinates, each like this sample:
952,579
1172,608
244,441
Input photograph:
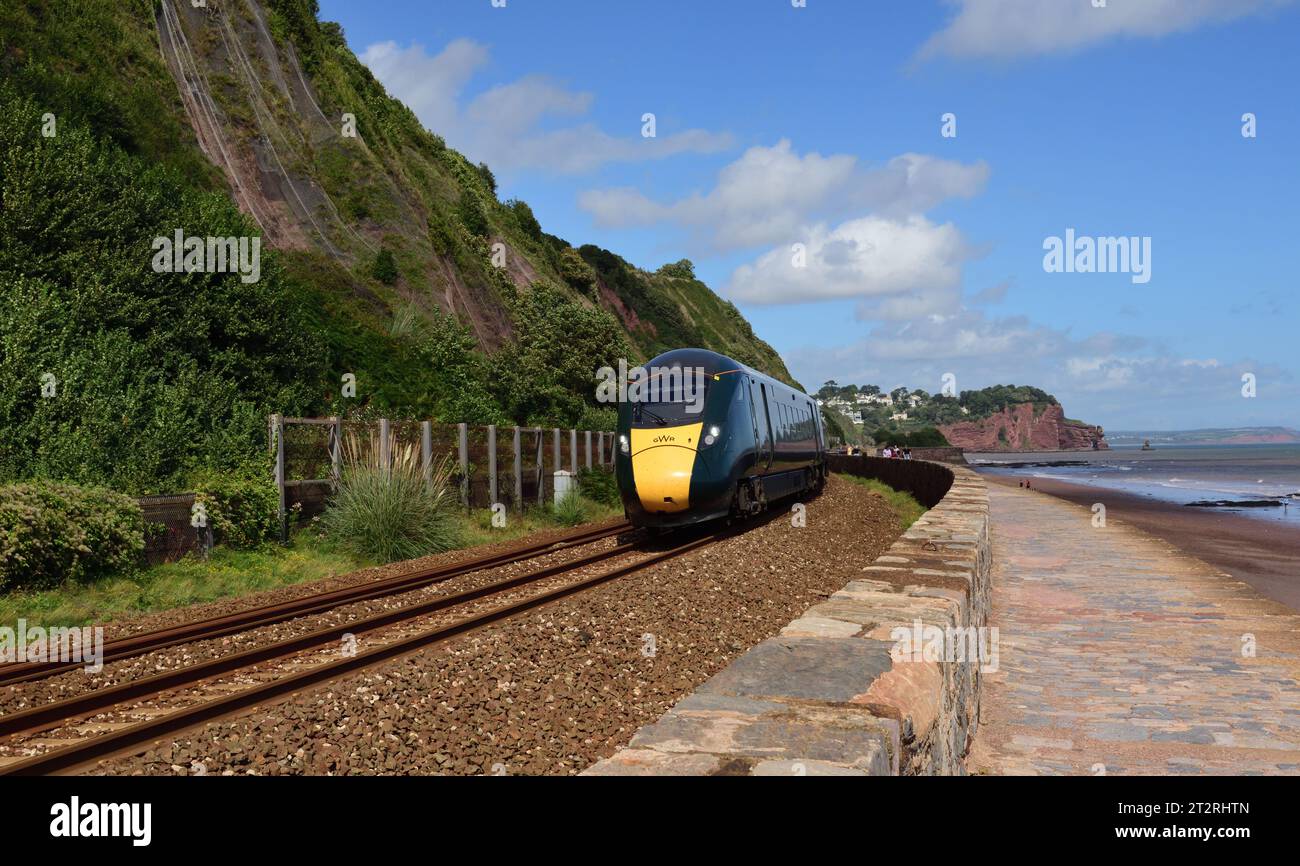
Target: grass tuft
905,506
385,514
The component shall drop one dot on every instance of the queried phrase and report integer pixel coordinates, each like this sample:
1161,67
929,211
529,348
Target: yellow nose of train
662,459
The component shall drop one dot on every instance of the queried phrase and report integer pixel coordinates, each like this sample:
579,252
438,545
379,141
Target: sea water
1179,474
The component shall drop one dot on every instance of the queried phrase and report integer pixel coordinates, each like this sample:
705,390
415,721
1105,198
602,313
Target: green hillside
386,255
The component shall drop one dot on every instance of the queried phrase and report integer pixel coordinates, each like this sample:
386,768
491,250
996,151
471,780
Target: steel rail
79,706
214,627
137,738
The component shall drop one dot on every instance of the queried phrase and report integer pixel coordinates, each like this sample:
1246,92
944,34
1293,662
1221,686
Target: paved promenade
1119,654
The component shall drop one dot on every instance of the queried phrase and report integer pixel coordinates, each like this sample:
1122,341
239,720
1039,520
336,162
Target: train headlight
624,445
712,436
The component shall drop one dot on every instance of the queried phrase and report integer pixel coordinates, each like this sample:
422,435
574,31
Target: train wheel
749,497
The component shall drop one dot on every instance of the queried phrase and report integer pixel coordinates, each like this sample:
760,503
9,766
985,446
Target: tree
489,179
547,374
384,268
683,269
577,273
524,216
156,373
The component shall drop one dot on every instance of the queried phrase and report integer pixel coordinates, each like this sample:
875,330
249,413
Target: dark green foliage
577,273
456,372
242,508
165,378
471,216
832,429
52,51
489,179
384,268
548,374
156,373
684,270
51,533
989,401
528,223
926,437
599,485
670,328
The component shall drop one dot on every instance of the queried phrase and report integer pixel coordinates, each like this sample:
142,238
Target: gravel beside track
23,695
553,690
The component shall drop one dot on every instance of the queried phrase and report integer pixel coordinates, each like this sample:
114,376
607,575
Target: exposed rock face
1025,427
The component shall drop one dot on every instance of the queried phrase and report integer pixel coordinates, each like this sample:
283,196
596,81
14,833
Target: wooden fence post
573,450
558,466
462,449
385,453
519,472
600,448
277,440
541,467
587,434
336,452
492,465
426,452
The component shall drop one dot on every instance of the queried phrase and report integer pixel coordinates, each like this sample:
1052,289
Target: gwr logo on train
664,439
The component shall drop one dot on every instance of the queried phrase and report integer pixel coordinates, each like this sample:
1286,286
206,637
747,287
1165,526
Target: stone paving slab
1119,654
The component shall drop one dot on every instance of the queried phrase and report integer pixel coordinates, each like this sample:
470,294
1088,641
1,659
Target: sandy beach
1263,553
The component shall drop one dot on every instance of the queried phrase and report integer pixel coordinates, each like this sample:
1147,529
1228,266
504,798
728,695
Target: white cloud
770,195
872,257
1018,28
503,126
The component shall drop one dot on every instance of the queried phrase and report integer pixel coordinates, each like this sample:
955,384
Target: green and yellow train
747,441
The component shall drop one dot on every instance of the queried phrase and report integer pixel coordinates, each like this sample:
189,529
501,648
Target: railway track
73,753
215,627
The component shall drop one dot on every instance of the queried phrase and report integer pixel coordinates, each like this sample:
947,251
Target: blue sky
922,254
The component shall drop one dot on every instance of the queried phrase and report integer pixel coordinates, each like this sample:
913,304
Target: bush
471,216
577,273
598,485
51,533
386,516
527,220
242,511
384,268
926,437
153,373
682,270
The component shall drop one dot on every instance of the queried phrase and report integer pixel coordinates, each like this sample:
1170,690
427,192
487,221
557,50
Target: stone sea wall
827,696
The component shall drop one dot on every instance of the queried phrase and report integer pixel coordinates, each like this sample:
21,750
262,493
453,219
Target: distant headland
1208,436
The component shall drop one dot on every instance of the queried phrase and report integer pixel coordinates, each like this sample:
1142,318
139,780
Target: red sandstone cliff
1025,427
